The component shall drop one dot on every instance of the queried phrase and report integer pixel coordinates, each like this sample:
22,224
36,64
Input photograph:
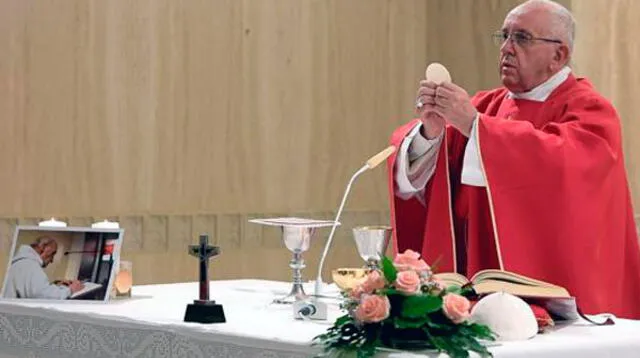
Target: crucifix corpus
204,310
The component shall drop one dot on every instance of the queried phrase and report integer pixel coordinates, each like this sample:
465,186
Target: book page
509,276
516,289
452,278
88,287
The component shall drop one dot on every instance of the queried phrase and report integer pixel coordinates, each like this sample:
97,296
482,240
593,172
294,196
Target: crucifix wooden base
204,310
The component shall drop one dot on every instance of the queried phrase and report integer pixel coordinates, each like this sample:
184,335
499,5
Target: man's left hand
454,104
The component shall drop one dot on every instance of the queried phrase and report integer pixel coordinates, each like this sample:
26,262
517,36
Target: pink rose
356,292
456,307
373,308
410,260
374,281
408,282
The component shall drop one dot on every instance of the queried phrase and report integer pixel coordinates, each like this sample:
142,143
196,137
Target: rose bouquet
401,305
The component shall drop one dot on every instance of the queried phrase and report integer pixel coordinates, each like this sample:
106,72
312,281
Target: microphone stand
318,285
80,252
316,309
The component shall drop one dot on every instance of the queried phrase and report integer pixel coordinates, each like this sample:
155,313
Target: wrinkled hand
75,286
453,103
432,122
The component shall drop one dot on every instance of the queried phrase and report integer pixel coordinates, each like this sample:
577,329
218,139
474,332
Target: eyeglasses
520,38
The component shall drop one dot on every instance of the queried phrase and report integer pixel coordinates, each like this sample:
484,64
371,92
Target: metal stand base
297,291
297,294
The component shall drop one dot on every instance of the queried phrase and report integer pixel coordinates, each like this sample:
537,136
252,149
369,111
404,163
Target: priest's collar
542,92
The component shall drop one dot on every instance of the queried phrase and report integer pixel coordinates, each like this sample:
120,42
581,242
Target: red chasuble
556,207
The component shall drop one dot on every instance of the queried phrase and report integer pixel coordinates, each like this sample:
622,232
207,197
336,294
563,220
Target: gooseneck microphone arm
371,163
80,252
333,229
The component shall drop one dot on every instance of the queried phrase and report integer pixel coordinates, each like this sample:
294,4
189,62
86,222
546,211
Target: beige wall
128,108
177,118
181,117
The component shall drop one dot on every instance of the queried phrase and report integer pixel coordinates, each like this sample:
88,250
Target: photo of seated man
66,263
27,277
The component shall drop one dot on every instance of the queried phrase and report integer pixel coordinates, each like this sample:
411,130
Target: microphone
380,157
79,252
370,164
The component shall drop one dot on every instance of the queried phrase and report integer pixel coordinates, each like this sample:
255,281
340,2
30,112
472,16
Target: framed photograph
62,263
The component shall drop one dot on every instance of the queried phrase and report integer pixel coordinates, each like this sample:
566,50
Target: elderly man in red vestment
527,178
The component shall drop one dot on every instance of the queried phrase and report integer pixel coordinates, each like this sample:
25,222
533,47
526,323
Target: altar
150,324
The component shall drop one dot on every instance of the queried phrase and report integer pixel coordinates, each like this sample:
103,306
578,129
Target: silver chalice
296,234
297,240
372,243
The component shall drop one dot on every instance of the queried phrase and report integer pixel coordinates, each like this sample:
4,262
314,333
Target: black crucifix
204,310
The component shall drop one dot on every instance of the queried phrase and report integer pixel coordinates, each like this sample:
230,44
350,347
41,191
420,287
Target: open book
488,281
88,287
556,299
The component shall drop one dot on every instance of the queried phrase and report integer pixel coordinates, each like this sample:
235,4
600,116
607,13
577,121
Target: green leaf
481,331
467,339
453,289
446,344
459,347
467,291
367,351
392,291
420,306
440,326
389,271
475,346
403,323
342,320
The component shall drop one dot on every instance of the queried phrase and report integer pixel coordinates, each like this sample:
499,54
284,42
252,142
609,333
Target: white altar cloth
151,325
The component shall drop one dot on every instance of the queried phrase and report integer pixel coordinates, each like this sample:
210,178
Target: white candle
52,223
106,224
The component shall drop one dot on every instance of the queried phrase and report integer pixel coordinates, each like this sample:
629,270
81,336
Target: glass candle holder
124,279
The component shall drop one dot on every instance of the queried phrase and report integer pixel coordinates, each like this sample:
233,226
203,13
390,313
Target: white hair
42,242
564,24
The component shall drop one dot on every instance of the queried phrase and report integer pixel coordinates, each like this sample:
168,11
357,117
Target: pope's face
530,54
